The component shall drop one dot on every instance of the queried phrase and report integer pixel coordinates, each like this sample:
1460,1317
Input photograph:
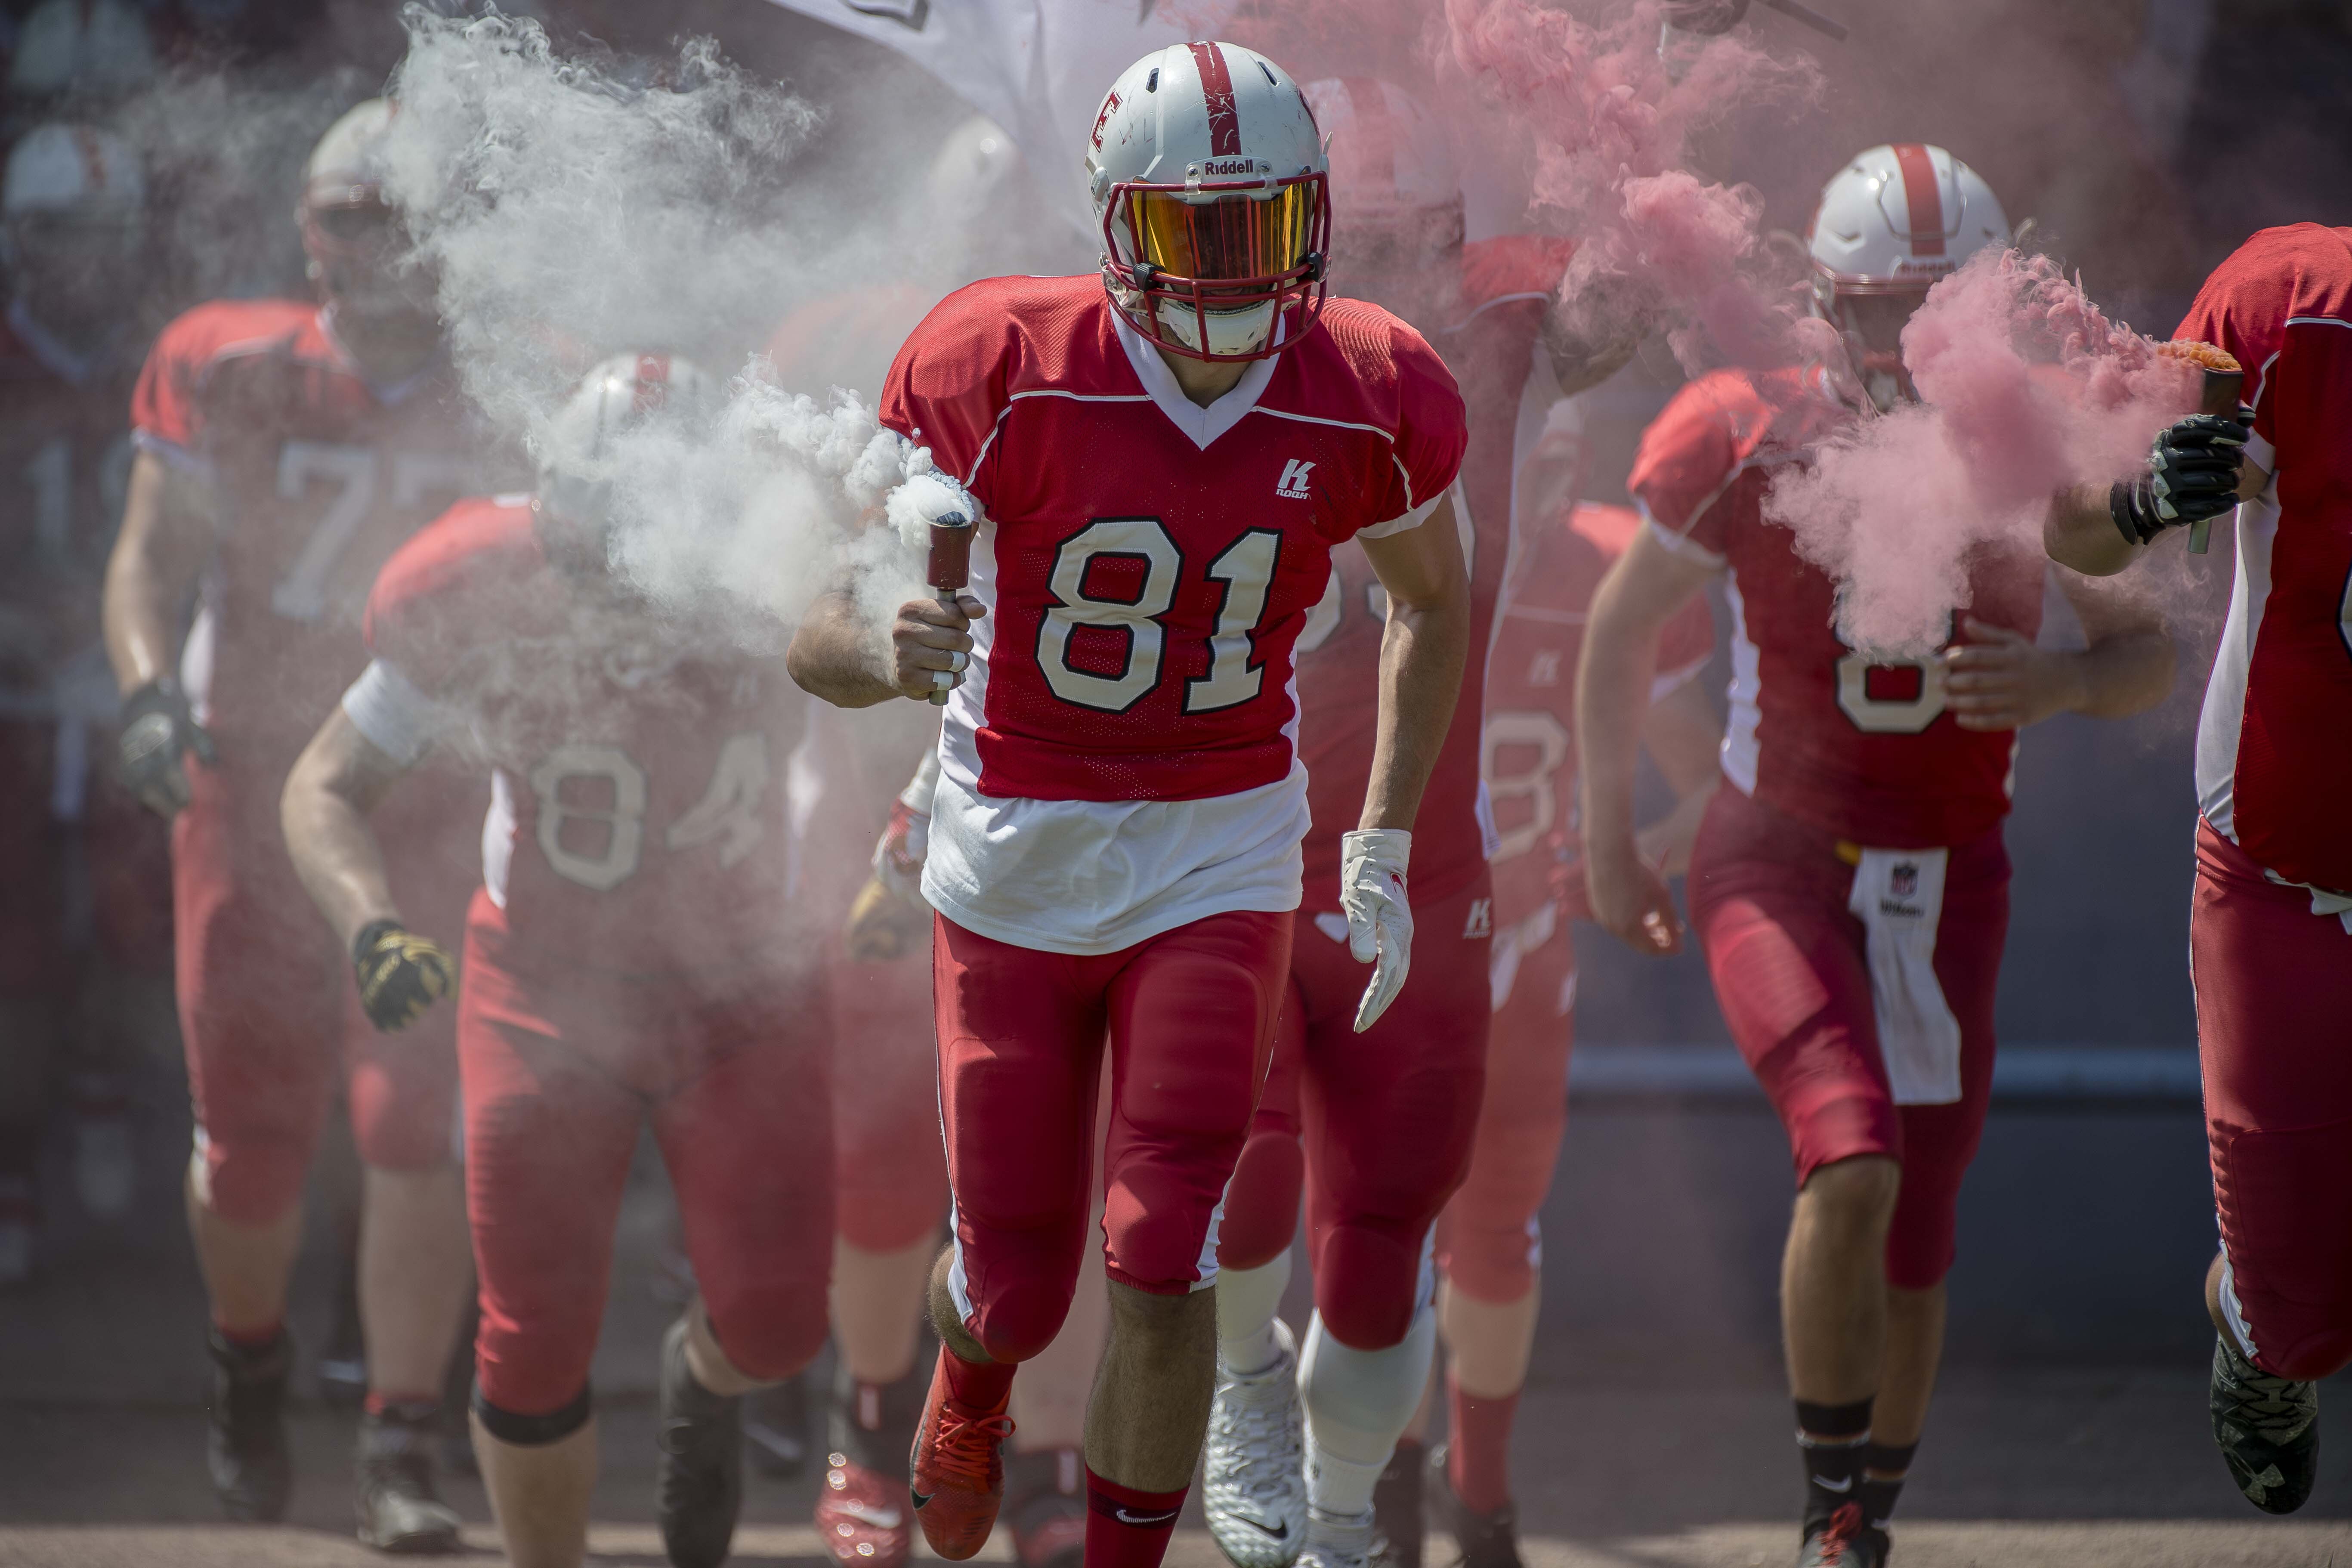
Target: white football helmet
72,228
1889,225
350,233
77,169
579,449
1396,192
1208,177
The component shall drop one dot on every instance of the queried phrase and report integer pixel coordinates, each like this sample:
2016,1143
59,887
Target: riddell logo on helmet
1934,266
1222,166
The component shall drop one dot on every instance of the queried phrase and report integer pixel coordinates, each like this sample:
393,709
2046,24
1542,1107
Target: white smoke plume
569,212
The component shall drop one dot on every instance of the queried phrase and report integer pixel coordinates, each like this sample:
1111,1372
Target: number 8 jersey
1817,731
1121,759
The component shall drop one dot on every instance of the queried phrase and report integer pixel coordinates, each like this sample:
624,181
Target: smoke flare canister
951,565
2221,381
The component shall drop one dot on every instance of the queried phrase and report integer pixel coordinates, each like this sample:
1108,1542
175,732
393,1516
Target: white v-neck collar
1203,425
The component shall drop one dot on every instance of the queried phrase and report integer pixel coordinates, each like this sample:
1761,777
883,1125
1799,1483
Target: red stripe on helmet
653,382
1376,130
1920,194
1217,83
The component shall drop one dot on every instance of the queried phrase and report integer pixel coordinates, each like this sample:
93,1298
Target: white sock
1247,1301
1358,1403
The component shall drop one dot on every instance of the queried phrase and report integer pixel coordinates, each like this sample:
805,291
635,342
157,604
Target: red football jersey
638,819
1147,567
1530,731
1817,731
2274,745
318,476
1506,384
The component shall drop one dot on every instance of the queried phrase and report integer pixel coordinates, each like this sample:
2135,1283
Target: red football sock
980,1385
1127,1528
250,1339
1478,1453
410,1407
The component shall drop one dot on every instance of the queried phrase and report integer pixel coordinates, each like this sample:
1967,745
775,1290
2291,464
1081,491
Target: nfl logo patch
1905,879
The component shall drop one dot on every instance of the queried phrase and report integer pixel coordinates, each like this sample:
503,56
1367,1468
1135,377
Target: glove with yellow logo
401,973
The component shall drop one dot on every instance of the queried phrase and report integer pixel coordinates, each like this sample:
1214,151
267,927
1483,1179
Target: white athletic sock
1247,1301
1358,1403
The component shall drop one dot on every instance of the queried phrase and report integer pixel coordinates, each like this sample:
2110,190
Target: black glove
157,729
1706,17
401,973
2192,474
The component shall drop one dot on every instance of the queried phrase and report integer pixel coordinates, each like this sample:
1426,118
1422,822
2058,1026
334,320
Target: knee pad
1496,1263
1359,1402
1020,1320
1261,1208
252,1181
1369,1285
535,1431
768,1335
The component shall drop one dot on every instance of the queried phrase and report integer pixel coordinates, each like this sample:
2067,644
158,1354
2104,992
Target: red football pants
733,1074
1792,976
1189,1017
1488,1242
267,999
2275,1038
1386,1117
890,1171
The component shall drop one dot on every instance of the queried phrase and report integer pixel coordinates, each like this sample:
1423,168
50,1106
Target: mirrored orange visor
1230,238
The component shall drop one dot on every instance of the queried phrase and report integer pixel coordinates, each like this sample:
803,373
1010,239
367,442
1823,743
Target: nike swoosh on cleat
1823,1482
1147,1520
1270,1531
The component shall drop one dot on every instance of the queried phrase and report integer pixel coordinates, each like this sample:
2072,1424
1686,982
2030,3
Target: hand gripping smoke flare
1610,128
567,212
2024,388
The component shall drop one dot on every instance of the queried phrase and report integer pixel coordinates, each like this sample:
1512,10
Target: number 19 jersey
1122,758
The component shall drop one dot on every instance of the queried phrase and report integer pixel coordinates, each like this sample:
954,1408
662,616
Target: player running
1299,1438
627,963
2270,923
1165,457
1850,889
284,449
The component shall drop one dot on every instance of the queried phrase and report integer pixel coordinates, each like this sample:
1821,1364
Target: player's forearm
329,835
152,574
2080,532
2124,675
1423,653
137,624
837,657
1612,686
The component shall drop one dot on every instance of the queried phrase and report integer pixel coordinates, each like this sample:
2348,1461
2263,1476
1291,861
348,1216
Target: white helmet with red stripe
1396,192
581,448
1208,177
358,256
72,229
1890,224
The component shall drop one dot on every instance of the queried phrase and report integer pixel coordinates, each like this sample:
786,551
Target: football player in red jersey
72,217
1850,888
283,449
627,963
1163,458
1383,1117
2270,923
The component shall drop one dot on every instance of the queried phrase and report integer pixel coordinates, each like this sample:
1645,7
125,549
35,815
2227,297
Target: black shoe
1844,1540
2268,1430
399,1510
342,1367
775,1427
245,1444
699,1481
1396,1506
1486,1540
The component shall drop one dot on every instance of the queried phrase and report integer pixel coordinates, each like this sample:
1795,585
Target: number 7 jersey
1122,757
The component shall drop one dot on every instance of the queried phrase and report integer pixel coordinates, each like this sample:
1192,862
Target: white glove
1380,920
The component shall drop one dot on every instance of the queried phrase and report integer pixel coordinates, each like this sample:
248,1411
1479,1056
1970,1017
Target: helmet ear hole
1151,82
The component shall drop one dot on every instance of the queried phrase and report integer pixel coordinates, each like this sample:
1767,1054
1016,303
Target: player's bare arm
840,657
1684,737
2100,530
167,535
2000,679
1422,655
1645,587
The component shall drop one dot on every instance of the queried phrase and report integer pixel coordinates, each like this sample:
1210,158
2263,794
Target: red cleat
860,1519
958,1480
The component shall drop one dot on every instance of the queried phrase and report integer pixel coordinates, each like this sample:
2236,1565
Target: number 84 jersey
1122,758
637,820
1817,731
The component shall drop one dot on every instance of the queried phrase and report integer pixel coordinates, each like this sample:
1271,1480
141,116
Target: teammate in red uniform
1165,459
626,962
72,207
284,449
2271,924
1850,888
1385,1113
